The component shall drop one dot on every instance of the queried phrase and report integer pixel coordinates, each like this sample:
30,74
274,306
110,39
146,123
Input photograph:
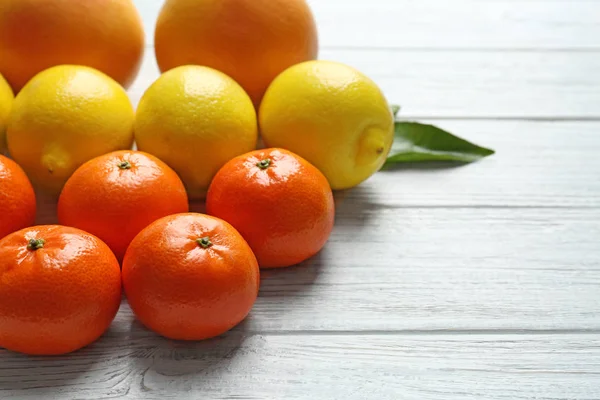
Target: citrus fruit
280,203
190,277
60,289
6,99
250,40
17,199
195,119
65,116
333,116
39,34
116,195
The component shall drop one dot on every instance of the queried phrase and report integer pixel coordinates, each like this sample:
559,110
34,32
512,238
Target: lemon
6,99
333,116
196,119
65,116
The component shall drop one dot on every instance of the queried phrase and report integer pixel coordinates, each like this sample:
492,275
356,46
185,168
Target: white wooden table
473,282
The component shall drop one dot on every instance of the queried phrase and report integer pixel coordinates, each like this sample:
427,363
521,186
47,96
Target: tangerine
190,277
17,198
60,289
280,203
116,195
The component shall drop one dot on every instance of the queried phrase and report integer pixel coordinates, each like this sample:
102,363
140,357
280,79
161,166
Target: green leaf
415,142
395,109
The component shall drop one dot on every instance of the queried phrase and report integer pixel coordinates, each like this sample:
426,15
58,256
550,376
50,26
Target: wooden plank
440,269
430,272
438,367
468,84
537,164
389,267
434,24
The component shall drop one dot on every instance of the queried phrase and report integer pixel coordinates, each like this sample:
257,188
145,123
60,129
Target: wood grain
439,282
239,366
449,25
507,243
537,164
470,84
395,268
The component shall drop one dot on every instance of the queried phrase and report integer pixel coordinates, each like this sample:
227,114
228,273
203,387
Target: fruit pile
231,70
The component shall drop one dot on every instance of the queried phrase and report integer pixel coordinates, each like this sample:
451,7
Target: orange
280,203
38,34
60,289
17,199
116,195
250,40
190,277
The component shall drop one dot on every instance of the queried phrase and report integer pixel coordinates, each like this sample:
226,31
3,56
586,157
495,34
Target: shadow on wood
424,166
294,280
161,364
45,374
46,208
198,206
354,208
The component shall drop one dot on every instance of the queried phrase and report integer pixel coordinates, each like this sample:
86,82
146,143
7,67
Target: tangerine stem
125,165
35,244
264,164
204,242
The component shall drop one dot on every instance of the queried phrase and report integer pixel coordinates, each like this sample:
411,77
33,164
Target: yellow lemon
6,99
65,116
195,119
333,116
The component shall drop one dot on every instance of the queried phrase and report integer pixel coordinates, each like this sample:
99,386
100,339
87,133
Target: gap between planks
515,118
433,49
416,332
